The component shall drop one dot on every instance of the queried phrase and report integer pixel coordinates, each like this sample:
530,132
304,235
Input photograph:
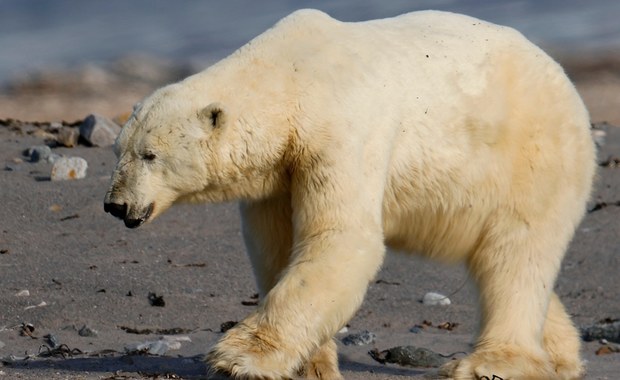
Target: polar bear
429,132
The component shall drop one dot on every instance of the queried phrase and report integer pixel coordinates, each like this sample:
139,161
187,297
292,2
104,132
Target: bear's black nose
119,211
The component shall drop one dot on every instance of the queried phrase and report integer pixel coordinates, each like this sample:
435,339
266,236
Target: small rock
360,339
87,332
225,326
156,300
39,153
40,304
22,293
68,136
607,329
2,344
99,131
66,168
158,347
599,137
409,356
343,330
55,125
432,298
52,341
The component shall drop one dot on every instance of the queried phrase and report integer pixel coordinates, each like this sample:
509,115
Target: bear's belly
444,234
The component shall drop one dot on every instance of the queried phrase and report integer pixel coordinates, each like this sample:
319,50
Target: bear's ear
213,115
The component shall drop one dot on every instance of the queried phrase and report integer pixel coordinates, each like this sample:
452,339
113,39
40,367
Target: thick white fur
429,132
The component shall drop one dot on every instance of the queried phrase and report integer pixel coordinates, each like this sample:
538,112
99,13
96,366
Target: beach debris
99,131
22,293
419,327
386,282
157,347
432,299
27,329
66,168
362,338
610,162
62,350
225,326
253,300
55,207
69,217
449,326
409,356
68,136
608,329
156,300
51,340
38,153
147,331
607,348
86,331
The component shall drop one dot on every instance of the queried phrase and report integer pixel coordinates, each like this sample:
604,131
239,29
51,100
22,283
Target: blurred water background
60,34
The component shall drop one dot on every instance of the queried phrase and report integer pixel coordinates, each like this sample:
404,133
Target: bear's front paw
501,363
247,352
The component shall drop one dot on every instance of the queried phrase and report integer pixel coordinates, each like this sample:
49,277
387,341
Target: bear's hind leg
515,267
323,365
561,340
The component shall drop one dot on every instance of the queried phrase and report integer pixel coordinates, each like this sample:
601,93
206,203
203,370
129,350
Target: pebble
2,344
359,339
40,304
99,131
608,330
22,293
432,299
409,356
68,136
52,341
66,168
599,137
39,153
87,332
157,347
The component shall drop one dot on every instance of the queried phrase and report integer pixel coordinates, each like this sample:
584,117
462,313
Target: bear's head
175,148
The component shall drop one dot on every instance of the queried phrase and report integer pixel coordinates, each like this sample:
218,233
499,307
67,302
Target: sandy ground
81,267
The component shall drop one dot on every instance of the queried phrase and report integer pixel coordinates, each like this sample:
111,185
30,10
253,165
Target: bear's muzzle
122,212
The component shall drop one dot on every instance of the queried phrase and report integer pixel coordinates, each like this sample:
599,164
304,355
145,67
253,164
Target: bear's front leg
317,295
337,250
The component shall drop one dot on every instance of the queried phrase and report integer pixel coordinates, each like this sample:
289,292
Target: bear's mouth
137,222
123,212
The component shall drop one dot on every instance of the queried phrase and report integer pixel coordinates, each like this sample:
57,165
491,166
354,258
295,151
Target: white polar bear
429,132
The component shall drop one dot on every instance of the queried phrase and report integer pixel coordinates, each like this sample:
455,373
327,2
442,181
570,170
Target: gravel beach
85,298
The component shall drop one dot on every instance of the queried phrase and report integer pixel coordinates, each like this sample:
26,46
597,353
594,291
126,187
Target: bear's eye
149,156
